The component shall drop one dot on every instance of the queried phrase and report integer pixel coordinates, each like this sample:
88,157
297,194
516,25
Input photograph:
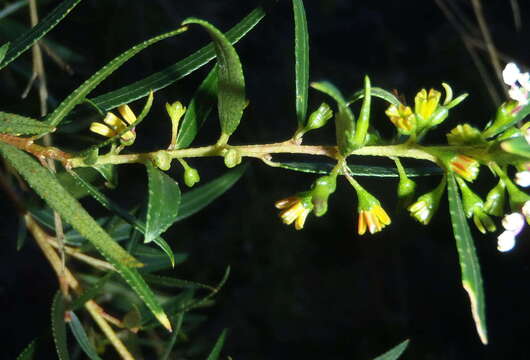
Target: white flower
506,241
513,222
522,178
519,83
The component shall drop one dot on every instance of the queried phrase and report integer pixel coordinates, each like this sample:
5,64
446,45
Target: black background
323,292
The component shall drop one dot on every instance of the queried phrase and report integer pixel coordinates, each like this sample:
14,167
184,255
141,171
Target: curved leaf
377,92
115,208
344,119
301,54
395,352
59,327
178,70
79,94
200,197
21,125
360,170
27,39
29,352
231,85
469,265
163,204
46,186
198,110
216,351
81,337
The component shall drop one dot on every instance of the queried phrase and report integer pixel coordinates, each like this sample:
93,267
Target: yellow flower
294,209
114,125
402,117
465,166
422,210
426,104
374,219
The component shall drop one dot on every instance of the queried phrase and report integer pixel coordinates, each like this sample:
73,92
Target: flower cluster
113,125
518,82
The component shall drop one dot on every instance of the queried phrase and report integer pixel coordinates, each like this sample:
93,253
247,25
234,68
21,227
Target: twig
75,253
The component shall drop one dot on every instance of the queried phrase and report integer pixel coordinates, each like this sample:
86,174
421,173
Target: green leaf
91,292
231,85
46,186
22,233
81,337
200,197
301,54
116,209
29,352
20,125
174,282
469,265
3,51
519,116
178,70
216,351
377,92
344,119
518,146
155,260
59,327
79,94
395,352
198,110
360,170
163,205
27,39
109,173
173,339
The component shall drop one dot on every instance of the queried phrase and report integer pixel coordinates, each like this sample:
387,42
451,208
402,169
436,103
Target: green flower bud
474,206
505,115
191,176
406,186
175,112
322,188
232,158
495,200
319,117
161,160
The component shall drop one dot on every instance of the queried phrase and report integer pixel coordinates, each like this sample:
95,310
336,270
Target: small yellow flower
422,210
294,209
425,104
113,125
402,117
374,219
465,166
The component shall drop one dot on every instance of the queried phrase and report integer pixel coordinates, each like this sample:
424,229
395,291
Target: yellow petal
127,114
113,121
361,224
102,129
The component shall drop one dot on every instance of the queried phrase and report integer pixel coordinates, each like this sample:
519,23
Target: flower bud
465,166
322,188
427,204
406,186
319,117
162,160
464,134
474,206
191,176
232,158
495,200
175,112
505,115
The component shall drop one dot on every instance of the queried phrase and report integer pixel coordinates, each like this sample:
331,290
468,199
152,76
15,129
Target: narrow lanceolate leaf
178,70
216,351
200,197
163,205
116,209
29,352
81,337
20,125
301,55
469,265
3,51
198,110
395,352
518,146
344,119
231,84
376,92
361,170
48,188
79,94
59,327
27,39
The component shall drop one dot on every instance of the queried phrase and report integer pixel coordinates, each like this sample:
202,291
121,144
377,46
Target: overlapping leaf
231,98
59,327
81,337
46,185
469,265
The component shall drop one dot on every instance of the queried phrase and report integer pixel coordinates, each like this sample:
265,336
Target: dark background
323,292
